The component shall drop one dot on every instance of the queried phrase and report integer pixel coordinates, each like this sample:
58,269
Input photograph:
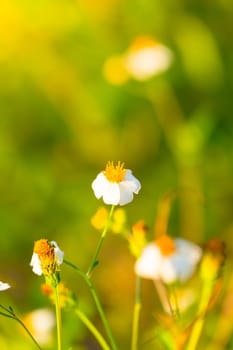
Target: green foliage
62,119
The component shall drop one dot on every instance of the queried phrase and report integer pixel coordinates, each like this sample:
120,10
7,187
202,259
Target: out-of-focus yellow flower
41,323
213,260
168,259
137,239
118,220
115,71
66,297
116,184
100,218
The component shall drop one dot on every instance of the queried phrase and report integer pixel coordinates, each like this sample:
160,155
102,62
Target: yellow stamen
115,173
44,249
166,245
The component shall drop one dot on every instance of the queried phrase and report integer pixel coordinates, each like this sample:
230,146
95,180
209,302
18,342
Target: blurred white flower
168,260
146,58
4,286
116,185
143,59
46,257
41,322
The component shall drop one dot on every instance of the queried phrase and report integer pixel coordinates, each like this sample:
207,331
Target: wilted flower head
168,259
4,286
46,258
116,184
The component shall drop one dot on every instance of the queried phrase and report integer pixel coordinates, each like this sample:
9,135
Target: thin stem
11,314
198,325
94,260
136,314
28,332
174,302
97,302
92,329
58,316
163,296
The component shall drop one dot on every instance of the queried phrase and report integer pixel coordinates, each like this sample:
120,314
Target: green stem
58,316
198,325
136,315
92,329
97,302
11,314
94,260
28,332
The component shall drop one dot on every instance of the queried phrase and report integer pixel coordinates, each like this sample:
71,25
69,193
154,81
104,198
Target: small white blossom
4,286
179,264
146,58
41,323
116,185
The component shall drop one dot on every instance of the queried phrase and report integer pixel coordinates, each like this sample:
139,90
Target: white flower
41,322
116,185
46,257
146,58
168,260
4,286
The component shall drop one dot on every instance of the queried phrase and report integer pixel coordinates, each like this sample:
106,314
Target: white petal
148,265
126,195
4,286
133,183
59,254
190,250
182,267
99,185
111,194
167,271
36,265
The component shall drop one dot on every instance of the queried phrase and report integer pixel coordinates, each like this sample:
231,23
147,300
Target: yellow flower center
115,173
166,245
44,249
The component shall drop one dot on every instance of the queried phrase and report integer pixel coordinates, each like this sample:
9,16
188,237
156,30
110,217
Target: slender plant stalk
11,314
92,329
163,296
136,314
198,325
58,316
94,260
28,332
97,302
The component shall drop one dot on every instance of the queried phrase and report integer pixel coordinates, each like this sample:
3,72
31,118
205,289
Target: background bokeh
61,120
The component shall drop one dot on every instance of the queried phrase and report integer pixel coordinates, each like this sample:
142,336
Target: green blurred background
61,121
